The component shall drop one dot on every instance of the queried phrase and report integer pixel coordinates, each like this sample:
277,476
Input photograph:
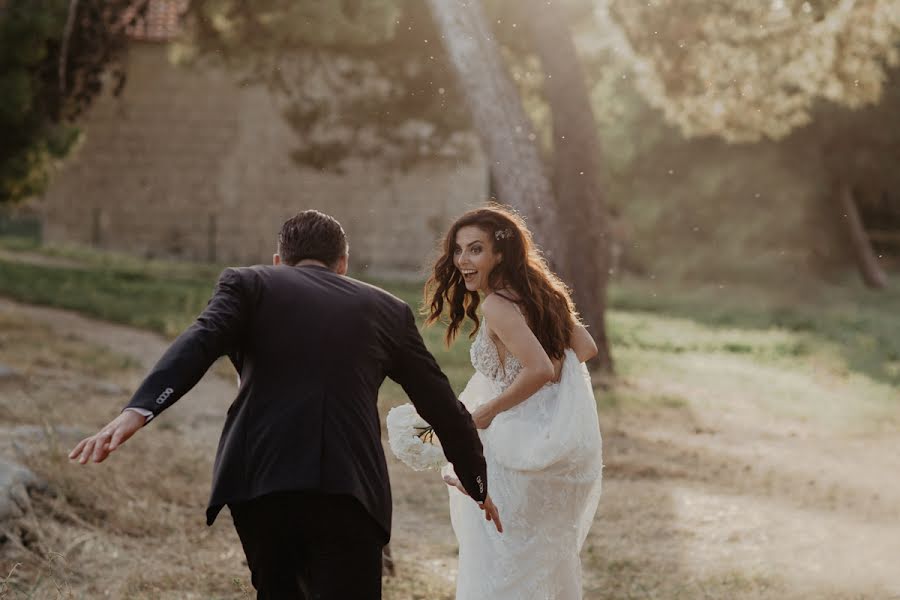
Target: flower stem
426,434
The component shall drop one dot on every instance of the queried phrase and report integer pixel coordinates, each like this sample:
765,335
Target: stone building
188,164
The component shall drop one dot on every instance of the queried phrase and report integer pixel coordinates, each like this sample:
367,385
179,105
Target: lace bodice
486,359
544,463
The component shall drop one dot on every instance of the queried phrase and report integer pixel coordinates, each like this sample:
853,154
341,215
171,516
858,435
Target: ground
740,463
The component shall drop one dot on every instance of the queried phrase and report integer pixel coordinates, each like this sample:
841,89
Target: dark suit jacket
312,348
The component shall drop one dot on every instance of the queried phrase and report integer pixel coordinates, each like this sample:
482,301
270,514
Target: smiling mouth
468,274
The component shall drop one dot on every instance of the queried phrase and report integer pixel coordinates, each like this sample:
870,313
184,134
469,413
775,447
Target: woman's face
475,258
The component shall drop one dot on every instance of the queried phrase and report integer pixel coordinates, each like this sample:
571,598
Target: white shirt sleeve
143,412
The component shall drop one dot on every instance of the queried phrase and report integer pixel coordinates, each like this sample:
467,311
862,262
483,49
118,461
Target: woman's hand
483,416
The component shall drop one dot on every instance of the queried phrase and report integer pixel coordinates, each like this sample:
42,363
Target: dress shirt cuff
143,412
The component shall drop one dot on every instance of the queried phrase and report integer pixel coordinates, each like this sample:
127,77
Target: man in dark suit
300,462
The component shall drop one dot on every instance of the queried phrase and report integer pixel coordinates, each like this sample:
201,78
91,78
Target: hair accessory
502,234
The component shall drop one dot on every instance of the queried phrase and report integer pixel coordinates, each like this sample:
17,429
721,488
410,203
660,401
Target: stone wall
188,164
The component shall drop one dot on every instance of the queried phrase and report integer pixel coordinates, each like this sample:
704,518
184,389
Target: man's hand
490,509
491,513
97,447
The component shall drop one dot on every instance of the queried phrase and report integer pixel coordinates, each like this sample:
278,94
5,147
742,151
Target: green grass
861,325
847,326
17,243
142,299
678,363
157,295
93,259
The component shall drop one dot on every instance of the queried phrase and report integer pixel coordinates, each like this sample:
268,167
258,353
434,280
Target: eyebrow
470,243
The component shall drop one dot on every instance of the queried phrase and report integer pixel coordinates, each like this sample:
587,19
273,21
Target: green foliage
357,79
36,106
28,32
745,70
269,27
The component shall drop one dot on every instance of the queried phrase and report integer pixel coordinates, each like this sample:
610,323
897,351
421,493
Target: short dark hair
312,234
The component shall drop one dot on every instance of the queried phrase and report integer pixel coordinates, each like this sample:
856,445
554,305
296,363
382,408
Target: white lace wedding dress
544,473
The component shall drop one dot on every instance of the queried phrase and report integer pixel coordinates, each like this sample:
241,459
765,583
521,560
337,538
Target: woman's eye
457,252
476,250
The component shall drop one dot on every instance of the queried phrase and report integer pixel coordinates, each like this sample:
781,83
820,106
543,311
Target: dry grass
742,463
130,528
134,527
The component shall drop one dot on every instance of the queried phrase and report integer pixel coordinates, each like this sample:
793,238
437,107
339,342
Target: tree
356,79
505,130
858,150
571,224
316,56
54,57
406,65
745,70
582,214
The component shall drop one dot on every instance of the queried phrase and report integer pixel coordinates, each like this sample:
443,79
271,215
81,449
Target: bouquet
412,440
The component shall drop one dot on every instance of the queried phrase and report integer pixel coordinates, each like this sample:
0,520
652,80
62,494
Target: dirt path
704,500
199,415
745,509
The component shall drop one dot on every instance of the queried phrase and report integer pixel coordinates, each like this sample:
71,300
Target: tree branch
64,51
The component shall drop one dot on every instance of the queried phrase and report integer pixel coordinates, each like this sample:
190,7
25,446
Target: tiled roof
161,22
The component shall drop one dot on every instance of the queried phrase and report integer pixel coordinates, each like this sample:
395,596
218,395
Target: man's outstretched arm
215,333
415,369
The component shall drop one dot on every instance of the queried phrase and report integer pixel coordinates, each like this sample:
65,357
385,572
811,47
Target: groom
300,462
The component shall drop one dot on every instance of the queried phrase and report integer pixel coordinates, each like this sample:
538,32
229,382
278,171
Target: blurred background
716,181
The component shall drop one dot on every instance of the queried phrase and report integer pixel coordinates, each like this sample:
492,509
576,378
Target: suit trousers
308,545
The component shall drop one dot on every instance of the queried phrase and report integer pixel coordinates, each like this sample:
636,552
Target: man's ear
276,259
342,265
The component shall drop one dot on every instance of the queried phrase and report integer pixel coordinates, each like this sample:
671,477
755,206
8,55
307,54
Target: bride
532,401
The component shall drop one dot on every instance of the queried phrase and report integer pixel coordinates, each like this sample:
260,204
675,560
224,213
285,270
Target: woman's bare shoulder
498,304
502,314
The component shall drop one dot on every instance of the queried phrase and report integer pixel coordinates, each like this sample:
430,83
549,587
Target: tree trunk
582,217
64,50
505,131
871,271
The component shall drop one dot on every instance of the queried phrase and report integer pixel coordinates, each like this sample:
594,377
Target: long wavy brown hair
542,296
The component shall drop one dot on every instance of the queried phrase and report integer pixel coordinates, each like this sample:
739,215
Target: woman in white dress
532,401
